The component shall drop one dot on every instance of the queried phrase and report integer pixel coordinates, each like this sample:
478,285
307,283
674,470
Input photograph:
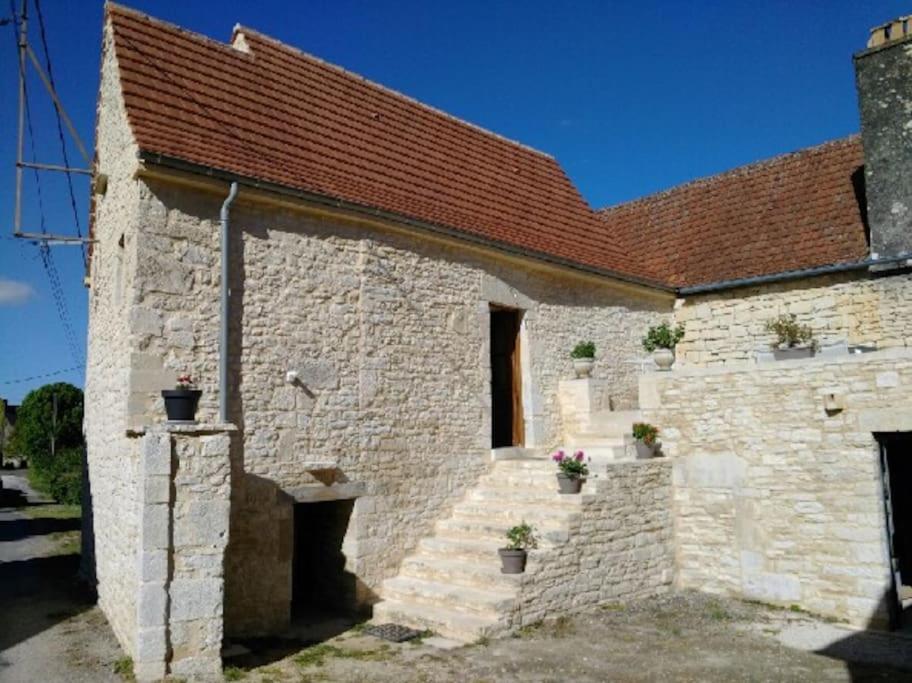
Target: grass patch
530,630
562,627
318,654
123,667
67,542
233,673
483,641
53,511
718,612
612,607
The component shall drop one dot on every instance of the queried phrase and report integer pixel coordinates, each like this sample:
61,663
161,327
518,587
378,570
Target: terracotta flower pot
664,358
181,404
512,561
569,484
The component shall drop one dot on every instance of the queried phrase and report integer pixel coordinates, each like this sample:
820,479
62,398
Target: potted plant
182,401
572,471
660,342
583,355
513,557
645,435
792,340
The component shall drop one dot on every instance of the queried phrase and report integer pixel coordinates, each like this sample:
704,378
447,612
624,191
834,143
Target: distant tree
51,439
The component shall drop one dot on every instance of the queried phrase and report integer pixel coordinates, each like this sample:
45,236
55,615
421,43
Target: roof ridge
240,28
196,35
732,172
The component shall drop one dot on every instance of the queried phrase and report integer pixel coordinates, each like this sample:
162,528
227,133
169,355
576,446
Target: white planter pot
664,359
583,367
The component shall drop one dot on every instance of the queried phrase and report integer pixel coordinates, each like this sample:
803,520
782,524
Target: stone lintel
315,493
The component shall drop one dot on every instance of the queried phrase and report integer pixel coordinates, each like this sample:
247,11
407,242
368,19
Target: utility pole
54,428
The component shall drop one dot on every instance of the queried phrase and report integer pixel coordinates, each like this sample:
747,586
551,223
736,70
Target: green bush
789,333
583,350
58,474
645,432
662,337
522,537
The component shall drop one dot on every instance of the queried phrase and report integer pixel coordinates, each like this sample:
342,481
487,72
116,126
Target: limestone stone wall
622,546
112,459
183,509
389,335
777,481
727,327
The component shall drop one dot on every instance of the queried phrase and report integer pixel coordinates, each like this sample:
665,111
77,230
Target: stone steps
450,596
452,583
544,498
496,531
514,513
472,573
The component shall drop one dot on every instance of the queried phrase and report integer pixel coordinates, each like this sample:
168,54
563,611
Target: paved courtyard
52,632
684,637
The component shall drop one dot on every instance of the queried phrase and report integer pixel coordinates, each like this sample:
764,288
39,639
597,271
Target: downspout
223,318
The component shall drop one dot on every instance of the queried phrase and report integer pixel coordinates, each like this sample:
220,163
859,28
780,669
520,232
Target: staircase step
486,602
509,514
496,531
449,623
465,549
517,496
477,573
511,510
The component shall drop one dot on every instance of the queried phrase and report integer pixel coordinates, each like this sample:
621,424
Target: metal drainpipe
223,319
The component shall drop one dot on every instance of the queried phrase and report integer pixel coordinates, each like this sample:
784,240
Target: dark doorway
896,462
320,585
506,392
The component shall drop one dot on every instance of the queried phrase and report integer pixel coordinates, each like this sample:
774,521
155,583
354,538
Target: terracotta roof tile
793,212
276,114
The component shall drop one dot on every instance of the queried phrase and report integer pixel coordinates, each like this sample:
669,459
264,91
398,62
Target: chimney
883,77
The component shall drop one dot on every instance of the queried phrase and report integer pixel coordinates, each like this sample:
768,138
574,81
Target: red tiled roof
793,212
278,115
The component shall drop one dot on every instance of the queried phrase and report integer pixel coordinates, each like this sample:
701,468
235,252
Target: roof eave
873,263
170,162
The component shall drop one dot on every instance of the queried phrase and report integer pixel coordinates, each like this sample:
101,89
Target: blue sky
630,97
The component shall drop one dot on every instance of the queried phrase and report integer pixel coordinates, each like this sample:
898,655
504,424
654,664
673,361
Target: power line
53,373
44,251
63,147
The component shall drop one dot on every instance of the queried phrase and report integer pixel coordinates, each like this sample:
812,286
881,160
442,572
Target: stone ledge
200,428
895,353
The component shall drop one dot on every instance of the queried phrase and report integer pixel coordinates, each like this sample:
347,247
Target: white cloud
14,293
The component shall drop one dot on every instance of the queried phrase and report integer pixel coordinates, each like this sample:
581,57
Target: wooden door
507,427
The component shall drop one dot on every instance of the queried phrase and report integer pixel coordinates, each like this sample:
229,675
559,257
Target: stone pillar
184,499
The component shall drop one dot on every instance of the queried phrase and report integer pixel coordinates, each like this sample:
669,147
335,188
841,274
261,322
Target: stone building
401,291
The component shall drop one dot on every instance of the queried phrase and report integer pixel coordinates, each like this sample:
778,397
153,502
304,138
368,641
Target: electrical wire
60,135
53,373
44,251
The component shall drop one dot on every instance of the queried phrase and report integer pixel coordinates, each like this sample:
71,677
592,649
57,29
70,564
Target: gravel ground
680,637
49,629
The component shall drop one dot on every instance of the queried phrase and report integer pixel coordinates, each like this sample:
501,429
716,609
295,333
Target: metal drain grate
392,632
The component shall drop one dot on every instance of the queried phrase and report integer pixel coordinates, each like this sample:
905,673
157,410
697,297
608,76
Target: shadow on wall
87,557
868,655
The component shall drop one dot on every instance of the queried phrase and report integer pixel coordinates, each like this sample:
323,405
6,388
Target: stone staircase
605,436
452,583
